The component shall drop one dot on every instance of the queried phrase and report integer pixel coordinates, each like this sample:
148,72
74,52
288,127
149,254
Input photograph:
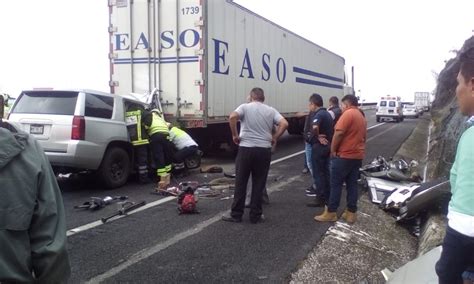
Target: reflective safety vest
181,139
133,120
158,124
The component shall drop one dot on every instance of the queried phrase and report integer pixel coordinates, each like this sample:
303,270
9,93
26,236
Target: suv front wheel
115,168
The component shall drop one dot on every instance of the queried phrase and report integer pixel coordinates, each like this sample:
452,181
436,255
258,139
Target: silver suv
79,130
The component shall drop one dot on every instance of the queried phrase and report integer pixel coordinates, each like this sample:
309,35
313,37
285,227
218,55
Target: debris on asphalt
96,203
396,187
227,197
169,191
212,169
278,178
397,170
229,175
126,207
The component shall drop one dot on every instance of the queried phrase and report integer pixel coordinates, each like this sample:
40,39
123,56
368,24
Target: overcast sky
395,46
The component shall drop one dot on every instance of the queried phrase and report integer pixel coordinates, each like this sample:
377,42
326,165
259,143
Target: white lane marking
146,253
377,125
98,223
150,251
161,201
425,170
286,157
381,133
301,152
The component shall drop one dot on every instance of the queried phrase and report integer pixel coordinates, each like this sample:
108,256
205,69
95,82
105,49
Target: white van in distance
389,107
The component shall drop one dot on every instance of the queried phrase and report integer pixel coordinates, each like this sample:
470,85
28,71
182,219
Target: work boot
349,216
326,216
164,181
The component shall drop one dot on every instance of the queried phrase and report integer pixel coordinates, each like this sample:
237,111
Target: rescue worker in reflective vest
161,146
139,138
184,145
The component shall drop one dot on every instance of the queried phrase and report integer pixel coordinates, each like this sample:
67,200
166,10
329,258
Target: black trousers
141,161
181,155
253,161
320,159
457,256
162,150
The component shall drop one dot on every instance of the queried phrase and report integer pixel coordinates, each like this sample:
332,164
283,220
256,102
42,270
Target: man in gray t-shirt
254,155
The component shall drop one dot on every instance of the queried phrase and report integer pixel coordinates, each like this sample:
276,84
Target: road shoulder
358,253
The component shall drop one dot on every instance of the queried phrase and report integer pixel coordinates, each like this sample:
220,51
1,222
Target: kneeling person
185,147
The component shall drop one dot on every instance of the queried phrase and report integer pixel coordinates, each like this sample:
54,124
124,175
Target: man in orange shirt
347,153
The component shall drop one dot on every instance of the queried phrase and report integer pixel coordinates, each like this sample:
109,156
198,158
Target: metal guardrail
367,106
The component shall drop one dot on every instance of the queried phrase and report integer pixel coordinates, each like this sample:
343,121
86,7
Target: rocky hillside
447,123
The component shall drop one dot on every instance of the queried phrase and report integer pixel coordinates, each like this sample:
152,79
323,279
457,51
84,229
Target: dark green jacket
32,220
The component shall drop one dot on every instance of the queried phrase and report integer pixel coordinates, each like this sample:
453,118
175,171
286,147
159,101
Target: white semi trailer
422,100
206,55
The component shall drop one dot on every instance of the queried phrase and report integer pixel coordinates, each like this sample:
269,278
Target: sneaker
305,170
230,218
310,191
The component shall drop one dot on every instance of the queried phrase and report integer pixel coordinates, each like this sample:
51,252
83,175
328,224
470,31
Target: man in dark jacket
32,219
320,136
334,109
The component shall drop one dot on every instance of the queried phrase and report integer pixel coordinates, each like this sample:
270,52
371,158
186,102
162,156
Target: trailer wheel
194,161
295,126
115,168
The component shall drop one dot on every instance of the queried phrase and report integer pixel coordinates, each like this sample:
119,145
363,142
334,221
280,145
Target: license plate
390,111
36,129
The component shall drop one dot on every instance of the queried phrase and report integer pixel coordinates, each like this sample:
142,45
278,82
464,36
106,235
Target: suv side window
99,106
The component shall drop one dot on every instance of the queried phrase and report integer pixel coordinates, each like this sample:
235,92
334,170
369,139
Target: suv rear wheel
115,168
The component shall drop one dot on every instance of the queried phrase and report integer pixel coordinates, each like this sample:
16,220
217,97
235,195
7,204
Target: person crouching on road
319,136
161,146
254,154
347,153
184,145
458,245
32,218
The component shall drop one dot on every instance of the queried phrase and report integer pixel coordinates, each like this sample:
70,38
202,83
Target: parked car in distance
79,130
410,111
389,107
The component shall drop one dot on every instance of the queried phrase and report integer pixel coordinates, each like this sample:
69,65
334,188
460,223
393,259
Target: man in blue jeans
347,153
321,126
457,256
307,133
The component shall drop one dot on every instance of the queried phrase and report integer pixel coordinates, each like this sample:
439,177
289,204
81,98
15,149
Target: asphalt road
158,245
